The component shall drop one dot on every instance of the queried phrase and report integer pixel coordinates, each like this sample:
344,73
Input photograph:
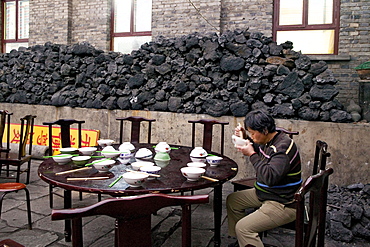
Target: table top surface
171,179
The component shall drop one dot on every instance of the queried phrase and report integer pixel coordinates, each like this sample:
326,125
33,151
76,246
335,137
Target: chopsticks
210,179
115,181
74,170
60,155
89,164
87,178
151,175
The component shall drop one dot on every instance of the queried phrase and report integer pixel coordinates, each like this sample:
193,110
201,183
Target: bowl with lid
127,146
162,147
143,154
198,152
105,142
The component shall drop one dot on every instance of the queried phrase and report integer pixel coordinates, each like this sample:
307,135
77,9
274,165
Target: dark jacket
278,169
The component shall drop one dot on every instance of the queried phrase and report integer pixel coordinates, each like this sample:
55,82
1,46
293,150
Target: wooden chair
312,232
135,128
15,187
9,243
65,141
5,121
248,183
133,217
24,154
208,133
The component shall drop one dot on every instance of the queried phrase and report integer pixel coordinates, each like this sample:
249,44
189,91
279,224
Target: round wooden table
170,181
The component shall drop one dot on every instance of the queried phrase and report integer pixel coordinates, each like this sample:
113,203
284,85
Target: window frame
335,25
131,33
5,41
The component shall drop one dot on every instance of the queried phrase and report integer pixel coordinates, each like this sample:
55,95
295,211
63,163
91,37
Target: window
15,24
312,25
131,25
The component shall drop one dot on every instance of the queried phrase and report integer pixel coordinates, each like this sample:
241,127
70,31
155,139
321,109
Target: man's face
257,137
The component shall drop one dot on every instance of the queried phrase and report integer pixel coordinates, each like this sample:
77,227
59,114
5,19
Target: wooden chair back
135,127
312,233
24,155
5,122
133,217
26,135
208,133
65,132
321,155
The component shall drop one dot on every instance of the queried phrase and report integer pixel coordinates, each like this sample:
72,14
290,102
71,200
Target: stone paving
98,231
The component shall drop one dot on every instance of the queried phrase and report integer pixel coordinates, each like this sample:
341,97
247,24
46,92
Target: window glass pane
143,15
309,41
291,12
10,25
127,44
122,16
11,46
320,12
23,19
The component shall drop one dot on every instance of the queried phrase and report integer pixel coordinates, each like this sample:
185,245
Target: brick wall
255,14
173,18
91,22
354,41
50,21
70,21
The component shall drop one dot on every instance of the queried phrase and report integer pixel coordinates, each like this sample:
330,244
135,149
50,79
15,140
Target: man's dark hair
260,121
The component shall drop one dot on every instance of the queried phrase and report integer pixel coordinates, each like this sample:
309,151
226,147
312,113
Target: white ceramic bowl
214,160
143,153
151,170
87,150
138,164
105,142
202,160
104,166
162,147
135,179
68,150
198,152
196,164
238,141
127,146
81,160
125,154
62,159
192,173
110,154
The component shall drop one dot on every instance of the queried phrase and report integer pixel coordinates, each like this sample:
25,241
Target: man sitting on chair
277,162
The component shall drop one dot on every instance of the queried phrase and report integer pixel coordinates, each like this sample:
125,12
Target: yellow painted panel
41,136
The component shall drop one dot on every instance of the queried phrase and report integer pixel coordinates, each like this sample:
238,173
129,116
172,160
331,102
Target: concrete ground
98,231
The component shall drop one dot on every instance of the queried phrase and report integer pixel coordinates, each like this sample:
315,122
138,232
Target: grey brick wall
173,18
70,21
255,14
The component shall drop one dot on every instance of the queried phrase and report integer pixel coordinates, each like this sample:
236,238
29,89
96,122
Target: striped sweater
278,169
